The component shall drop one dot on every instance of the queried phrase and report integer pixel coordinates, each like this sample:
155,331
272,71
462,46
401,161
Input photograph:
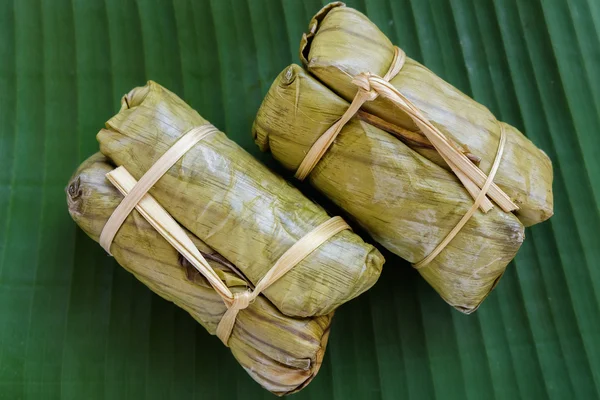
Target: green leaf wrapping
281,353
237,206
343,42
406,202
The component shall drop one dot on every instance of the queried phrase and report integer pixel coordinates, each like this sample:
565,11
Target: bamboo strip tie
160,167
479,186
136,196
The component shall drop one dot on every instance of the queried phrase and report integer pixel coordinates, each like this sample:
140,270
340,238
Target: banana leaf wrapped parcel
287,275
342,42
406,202
406,154
284,363
238,207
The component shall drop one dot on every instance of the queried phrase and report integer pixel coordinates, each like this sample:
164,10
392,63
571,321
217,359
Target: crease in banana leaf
282,353
341,42
405,201
237,206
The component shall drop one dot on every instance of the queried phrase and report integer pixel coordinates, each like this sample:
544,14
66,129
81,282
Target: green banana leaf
74,325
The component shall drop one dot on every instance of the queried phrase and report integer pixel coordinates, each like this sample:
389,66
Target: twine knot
242,300
363,81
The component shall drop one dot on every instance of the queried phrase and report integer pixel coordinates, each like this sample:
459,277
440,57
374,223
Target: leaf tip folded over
312,29
136,96
261,126
74,189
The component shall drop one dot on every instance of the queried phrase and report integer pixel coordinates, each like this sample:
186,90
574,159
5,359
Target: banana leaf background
74,325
